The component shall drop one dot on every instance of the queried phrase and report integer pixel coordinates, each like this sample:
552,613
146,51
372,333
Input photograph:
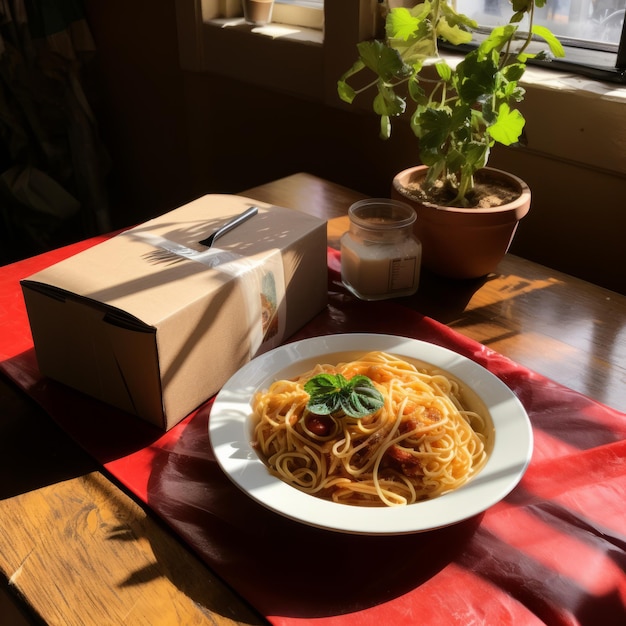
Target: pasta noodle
422,443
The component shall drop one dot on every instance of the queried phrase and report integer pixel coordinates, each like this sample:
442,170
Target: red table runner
552,552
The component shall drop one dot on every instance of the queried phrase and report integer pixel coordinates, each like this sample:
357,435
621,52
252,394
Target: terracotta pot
258,12
462,242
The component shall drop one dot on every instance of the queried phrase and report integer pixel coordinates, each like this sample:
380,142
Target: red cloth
553,552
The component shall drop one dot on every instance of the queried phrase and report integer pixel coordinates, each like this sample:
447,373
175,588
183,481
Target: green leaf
411,34
452,33
387,102
401,24
455,18
477,76
384,61
345,91
333,394
324,391
524,5
385,127
508,129
460,119
455,160
476,154
444,70
416,91
431,156
514,71
497,39
546,34
431,125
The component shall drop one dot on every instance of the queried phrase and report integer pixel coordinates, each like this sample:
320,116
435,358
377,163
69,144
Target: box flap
113,359
110,315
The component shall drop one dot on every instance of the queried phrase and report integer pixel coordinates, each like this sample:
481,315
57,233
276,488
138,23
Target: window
307,13
590,30
590,23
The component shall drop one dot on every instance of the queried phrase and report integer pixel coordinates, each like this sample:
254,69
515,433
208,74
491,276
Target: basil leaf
334,394
324,391
363,401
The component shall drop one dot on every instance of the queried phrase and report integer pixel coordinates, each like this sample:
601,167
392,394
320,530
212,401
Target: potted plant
457,112
258,12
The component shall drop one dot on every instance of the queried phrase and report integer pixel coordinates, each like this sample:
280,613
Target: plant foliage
456,112
333,394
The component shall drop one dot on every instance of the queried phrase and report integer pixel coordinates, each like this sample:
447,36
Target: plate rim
229,437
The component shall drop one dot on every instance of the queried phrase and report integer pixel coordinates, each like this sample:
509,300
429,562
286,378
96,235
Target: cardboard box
154,323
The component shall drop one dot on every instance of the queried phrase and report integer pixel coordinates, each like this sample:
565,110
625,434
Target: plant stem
436,14
529,37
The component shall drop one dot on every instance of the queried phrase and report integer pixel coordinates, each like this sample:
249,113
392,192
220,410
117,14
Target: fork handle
230,225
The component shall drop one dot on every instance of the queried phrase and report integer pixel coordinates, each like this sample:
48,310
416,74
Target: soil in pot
489,191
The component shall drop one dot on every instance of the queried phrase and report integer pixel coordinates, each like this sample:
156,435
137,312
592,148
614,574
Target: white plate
230,435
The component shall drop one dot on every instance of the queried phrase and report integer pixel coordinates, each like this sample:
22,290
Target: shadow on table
34,451
443,299
280,566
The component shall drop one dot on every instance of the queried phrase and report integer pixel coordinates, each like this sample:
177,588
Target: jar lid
382,214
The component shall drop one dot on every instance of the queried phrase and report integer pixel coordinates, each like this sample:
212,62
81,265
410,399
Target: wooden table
70,536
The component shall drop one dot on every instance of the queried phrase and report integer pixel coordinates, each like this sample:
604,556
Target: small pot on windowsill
258,12
464,242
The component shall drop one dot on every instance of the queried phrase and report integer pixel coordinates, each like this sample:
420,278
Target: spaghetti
422,443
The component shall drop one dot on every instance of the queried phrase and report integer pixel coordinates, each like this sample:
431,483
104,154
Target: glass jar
380,257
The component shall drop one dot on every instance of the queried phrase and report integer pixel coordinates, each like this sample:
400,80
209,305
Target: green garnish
333,394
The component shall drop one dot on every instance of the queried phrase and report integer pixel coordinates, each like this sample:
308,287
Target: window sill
275,30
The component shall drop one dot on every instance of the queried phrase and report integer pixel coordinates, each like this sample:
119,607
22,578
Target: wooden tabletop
76,549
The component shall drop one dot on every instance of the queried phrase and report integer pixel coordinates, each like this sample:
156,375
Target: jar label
402,273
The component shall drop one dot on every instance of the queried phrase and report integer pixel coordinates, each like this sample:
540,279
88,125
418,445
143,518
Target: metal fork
233,223
170,252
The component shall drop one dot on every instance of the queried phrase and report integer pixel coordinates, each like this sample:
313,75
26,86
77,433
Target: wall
141,106
175,135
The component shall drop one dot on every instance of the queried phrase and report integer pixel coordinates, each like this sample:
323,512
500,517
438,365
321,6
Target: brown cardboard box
154,323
